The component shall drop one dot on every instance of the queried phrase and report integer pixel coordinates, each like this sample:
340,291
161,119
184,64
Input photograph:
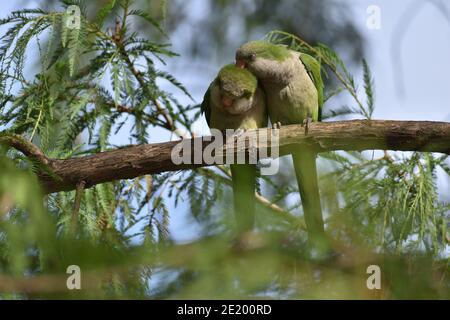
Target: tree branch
27,148
131,162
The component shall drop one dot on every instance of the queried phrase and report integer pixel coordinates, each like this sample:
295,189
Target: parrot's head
235,84
265,60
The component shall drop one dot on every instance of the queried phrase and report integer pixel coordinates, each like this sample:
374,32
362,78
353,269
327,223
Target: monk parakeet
294,94
235,101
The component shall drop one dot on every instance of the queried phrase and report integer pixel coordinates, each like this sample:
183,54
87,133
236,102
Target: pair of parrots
272,81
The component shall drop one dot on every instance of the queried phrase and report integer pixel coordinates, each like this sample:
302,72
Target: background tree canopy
73,92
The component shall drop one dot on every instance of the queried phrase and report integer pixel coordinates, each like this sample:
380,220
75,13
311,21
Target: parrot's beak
240,63
227,102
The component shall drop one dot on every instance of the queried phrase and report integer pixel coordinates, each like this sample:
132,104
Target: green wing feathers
313,68
205,107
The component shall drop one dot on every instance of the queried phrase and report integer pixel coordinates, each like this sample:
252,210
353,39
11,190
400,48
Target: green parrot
294,89
234,100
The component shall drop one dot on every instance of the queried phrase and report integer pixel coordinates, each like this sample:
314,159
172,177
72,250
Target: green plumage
233,82
268,51
294,90
313,68
237,82
205,106
244,187
247,111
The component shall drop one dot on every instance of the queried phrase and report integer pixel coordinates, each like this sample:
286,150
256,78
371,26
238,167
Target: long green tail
244,176
306,174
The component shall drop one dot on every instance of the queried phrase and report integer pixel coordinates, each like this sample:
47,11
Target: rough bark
134,161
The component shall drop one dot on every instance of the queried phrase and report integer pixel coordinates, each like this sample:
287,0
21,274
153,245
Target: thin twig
280,212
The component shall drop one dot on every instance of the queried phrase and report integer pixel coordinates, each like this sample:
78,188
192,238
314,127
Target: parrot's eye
252,57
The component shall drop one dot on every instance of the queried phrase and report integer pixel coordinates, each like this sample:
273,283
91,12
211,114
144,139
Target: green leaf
368,87
104,12
144,15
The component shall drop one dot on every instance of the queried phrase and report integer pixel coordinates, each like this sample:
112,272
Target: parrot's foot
276,125
306,124
238,132
264,162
